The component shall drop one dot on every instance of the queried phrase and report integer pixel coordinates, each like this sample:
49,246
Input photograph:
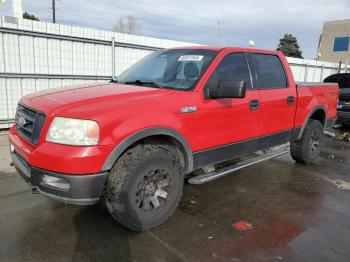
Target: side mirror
229,89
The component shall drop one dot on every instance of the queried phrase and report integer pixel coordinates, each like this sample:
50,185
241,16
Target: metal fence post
306,72
5,80
321,75
113,58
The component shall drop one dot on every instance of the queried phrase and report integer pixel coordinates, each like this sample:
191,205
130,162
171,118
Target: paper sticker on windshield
193,58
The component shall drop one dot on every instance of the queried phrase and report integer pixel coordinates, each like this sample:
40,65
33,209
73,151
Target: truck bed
313,95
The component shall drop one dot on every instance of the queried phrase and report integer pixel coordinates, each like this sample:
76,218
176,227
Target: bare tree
119,26
127,25
132,26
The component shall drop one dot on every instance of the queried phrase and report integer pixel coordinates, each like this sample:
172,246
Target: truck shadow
280,198
99,237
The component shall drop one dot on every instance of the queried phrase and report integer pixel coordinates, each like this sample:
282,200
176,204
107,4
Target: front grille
29,123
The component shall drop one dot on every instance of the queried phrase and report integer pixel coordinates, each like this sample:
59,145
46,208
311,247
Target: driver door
226,124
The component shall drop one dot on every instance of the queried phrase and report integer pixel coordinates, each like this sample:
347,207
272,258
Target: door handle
254,104
290,100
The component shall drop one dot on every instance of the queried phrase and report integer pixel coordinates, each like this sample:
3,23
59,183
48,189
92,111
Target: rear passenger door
277,97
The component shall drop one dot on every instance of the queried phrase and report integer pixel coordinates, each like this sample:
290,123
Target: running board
203,178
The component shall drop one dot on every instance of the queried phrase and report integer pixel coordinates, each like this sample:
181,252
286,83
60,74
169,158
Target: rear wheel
144,187
307,149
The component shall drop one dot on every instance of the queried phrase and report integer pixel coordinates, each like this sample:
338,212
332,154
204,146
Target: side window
271,71
233,68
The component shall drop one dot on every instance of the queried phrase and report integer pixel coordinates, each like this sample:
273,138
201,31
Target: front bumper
83,189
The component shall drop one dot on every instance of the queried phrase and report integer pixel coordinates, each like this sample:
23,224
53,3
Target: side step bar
203,178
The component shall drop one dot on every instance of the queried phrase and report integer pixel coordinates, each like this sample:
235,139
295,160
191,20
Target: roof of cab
219,48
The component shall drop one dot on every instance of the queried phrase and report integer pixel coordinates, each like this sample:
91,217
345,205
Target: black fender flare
298,134
122,146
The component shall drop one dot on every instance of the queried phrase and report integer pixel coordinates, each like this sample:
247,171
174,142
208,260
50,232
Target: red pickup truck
132,142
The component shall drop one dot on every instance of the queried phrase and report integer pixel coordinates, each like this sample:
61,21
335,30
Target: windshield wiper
142,82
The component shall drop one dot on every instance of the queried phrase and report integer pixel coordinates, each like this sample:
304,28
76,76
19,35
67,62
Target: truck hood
94,96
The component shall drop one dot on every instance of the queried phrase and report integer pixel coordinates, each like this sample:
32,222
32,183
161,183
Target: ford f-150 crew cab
131,142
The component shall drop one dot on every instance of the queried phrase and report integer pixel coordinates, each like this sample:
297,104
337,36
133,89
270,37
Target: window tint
232,68
271,71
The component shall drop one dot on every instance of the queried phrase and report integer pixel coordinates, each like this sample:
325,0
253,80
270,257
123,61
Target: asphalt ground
296,212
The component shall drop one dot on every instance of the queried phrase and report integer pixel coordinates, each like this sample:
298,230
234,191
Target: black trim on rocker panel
232,151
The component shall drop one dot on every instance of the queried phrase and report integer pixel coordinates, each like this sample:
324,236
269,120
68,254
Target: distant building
334,45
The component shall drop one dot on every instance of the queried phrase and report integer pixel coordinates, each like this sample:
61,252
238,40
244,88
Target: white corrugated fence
37,55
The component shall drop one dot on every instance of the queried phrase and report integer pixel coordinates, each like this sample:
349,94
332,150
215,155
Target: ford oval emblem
22,121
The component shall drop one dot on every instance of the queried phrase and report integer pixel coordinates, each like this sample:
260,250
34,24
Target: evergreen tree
26,15
289,46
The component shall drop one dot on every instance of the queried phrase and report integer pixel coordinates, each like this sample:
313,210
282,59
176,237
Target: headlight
70,131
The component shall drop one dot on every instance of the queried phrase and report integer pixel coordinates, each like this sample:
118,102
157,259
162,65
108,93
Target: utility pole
339,67
53,11
219,31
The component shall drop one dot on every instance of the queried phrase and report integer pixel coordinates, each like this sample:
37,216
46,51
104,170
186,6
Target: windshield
176,69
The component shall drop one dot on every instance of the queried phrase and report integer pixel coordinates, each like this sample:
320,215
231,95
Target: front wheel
307,149
144,187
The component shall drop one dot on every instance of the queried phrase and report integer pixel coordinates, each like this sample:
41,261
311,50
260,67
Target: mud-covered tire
136,193
307,149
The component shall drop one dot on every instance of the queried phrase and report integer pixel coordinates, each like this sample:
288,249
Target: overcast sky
196,20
